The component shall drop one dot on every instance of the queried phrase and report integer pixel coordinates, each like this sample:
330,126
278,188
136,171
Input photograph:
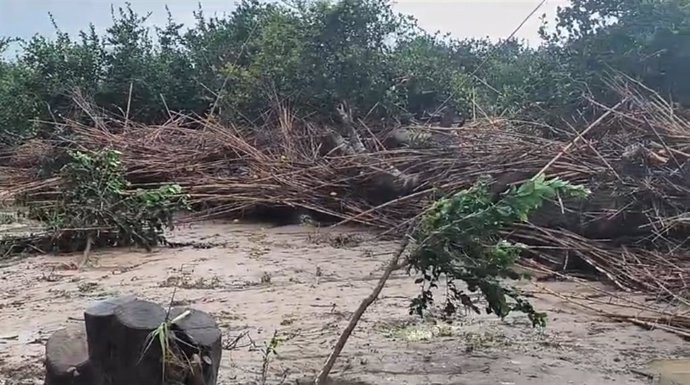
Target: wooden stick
393,264
129,102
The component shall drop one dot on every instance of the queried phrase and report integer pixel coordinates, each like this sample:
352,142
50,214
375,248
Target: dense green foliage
315,54
648,39
96,202
459,239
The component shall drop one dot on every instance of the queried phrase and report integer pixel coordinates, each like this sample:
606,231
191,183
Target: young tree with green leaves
458,239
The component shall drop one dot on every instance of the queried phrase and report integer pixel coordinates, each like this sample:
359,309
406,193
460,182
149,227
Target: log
98,319
349,127
67,359
201,342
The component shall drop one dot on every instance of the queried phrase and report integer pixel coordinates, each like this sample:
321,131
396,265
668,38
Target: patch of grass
419,331
336,241
258,251
484,340
188,282
87,287
257,237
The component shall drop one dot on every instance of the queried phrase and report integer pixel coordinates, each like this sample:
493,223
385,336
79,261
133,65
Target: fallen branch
393,264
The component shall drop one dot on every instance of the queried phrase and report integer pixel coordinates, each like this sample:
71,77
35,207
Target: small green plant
269,350
163,336
7,218
459,239
97,206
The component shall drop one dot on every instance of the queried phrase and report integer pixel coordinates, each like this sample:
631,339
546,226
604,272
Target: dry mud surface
304,284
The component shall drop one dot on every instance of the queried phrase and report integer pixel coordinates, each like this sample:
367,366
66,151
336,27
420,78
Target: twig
267,358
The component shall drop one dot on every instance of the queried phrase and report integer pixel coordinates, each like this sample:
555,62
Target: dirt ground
304,283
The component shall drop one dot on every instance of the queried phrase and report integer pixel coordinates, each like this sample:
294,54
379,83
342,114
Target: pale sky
461,18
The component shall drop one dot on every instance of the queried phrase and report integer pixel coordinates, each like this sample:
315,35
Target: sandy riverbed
304,284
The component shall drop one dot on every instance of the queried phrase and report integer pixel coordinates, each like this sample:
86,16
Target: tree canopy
316,54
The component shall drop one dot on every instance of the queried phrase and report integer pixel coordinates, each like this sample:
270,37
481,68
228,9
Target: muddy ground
304,283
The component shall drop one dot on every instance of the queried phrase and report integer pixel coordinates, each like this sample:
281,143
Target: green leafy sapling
459,239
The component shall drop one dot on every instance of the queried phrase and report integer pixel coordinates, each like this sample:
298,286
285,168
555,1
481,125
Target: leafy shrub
459,239
647,40
59,66
431,74
96,205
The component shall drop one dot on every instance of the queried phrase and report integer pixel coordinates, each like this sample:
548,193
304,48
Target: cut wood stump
129,341
202,338
136,357
67,358
98,319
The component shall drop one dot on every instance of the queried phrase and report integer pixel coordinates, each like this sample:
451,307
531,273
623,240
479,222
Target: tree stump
200,337
67,359
135,357
121,344
98,319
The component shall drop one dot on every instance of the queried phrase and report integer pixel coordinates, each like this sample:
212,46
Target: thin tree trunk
393,265
87,251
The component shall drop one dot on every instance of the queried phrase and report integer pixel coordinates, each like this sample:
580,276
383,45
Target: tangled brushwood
631,231
94,206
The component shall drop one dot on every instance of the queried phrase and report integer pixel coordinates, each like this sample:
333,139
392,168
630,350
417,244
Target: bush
647,40
459,239
96,206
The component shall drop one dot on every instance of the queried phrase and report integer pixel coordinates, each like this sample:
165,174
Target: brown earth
304,284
